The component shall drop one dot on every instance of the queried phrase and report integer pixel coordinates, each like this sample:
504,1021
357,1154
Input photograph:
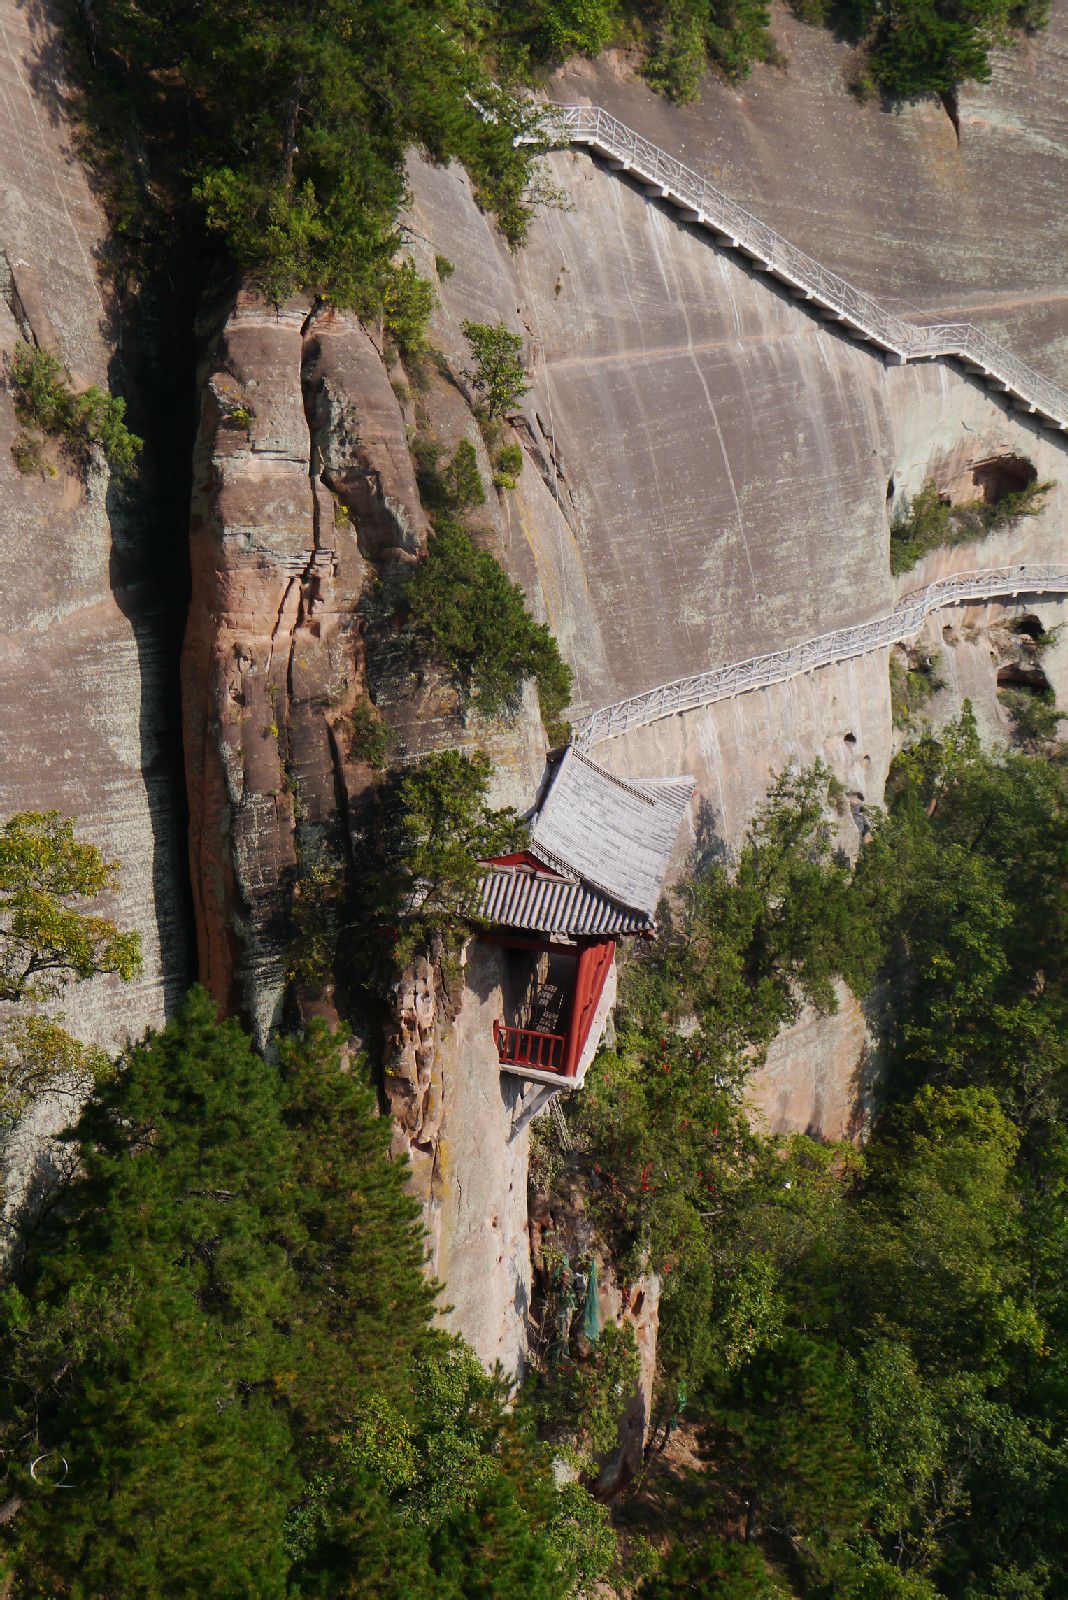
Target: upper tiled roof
615,834
604,844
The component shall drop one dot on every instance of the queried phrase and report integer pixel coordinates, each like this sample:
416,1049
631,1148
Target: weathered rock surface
713,470
89,633
719,458
273,653
972,230
710,474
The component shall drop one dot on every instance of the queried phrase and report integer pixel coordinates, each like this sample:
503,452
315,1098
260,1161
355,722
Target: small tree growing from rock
48,939
498,375
84,423
436,828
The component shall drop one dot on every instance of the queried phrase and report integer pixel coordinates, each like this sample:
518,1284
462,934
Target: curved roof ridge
615,833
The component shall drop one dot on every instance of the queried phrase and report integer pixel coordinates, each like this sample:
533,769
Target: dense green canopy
219,1374
875,1346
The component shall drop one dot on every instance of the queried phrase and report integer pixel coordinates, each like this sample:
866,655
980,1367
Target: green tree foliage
217,1356
407,301
85,423
38,1057
1035,719
507,467
370,739
913,682
471,620
663,1128
690,35
925,48
464,1487
874,1345
966,873
713,1570
750,941
498,373
929,522
581,1401
283,130
463,481
47,937
142,1344
434,828
921,47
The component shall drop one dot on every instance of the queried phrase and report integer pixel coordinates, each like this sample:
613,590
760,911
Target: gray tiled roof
542,902
616,834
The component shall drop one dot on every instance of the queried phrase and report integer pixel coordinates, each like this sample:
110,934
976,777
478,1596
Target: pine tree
362,1315
143,1347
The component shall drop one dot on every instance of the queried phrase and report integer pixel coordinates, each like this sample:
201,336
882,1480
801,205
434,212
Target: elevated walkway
906,619
700,202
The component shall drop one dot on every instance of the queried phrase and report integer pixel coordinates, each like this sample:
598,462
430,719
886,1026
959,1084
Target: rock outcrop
304,496
303,489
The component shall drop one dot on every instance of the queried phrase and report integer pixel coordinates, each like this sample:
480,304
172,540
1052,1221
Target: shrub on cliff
83,423
923,47
933,46
434,828
929,521
468,618
497,375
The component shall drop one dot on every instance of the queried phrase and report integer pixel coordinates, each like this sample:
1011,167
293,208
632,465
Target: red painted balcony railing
524,1047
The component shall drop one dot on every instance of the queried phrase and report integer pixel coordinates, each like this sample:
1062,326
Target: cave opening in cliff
1026,675
1030,626
1000,476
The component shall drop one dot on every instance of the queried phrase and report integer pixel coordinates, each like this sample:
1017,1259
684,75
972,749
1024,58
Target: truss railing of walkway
701,202
722,683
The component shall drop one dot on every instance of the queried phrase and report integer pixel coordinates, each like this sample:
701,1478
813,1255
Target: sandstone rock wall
712,468
710,473
90,627
303,490
971,229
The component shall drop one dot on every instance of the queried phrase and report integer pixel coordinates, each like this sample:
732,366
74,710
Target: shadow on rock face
154,367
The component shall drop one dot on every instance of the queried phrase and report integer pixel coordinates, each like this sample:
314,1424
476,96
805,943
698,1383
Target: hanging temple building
592,874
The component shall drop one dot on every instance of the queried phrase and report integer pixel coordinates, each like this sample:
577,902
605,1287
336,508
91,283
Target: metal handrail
757,672
595,127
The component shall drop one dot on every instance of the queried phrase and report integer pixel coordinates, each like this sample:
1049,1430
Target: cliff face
90,629
710,474
970,227
725,461
271,651
304,497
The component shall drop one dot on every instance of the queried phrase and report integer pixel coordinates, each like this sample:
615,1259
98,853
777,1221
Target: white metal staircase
731,225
